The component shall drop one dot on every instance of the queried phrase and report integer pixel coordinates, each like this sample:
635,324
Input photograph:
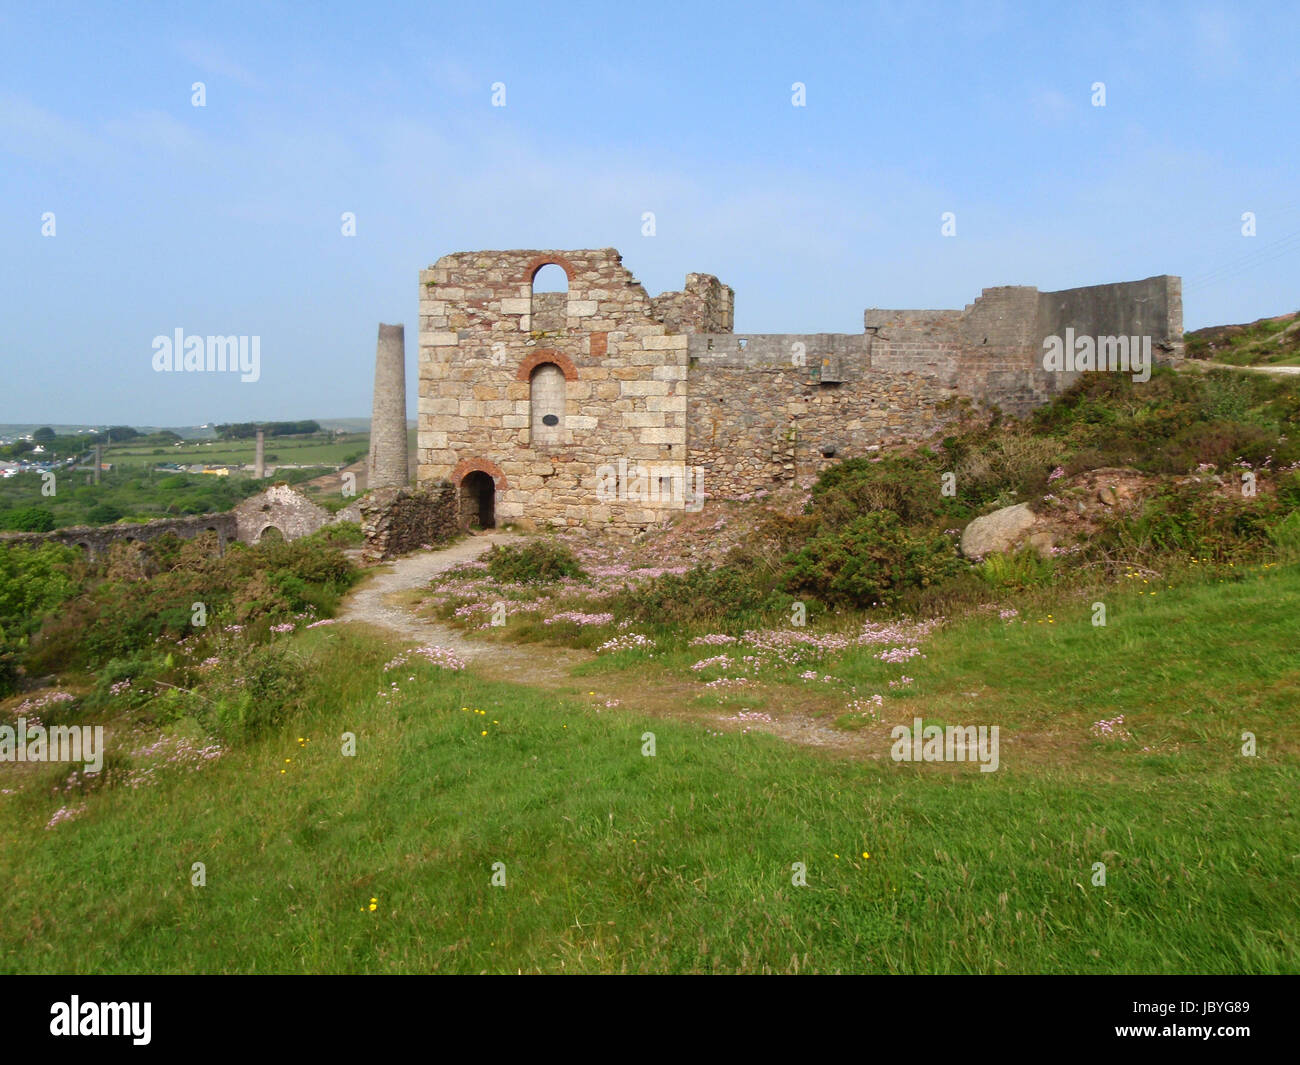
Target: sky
226,219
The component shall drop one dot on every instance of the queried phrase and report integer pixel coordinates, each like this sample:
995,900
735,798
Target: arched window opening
546,405
550,299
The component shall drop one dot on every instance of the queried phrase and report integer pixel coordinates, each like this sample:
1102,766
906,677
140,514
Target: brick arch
538,358
468,466
539,261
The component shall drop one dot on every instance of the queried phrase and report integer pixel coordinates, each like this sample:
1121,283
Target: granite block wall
546,393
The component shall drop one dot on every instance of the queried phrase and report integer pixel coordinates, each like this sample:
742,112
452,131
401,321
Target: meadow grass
682,862
289,450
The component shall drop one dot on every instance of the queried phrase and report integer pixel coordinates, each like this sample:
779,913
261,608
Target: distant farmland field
287,451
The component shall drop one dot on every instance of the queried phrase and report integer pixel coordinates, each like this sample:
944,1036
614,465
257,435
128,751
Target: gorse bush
871,560
536,562
905,485
149,592
34,579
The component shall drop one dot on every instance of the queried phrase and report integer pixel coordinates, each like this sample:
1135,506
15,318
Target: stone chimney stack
259,463
388,466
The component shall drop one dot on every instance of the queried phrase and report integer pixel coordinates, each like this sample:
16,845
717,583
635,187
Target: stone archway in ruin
478,483
478,501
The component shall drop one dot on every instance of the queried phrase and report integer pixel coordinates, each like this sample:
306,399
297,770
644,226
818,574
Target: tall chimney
259,463
388,467
99,461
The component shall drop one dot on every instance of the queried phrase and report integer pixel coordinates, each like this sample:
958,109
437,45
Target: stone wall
1152,307
398,520
706,305
544,393
95,539
281,506
996,343
766,409
624,383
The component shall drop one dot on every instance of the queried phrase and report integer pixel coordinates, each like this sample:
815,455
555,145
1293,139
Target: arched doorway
478,501
269,535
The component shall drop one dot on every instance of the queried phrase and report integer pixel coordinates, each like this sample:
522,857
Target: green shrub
34,579
734,593
1190,519
8,668
870,560
1014,570
536,562
907,485
264,693
103,514
1285,534
340,533
1288,489
28,519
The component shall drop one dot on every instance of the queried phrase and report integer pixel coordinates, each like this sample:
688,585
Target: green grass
136,493
682,862
288,451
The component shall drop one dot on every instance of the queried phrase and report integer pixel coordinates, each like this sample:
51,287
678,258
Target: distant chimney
388,466
99,461
259,463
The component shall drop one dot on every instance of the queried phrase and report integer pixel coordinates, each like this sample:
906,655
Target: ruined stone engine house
528,400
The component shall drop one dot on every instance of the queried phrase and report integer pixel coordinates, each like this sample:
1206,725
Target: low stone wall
281,507
398,520
95,539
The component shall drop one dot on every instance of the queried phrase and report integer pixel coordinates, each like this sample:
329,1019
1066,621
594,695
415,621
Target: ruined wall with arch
95,539
281,507
623,375
665,383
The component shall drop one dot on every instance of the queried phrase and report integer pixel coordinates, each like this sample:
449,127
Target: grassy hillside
1139,667
1267,342
614,861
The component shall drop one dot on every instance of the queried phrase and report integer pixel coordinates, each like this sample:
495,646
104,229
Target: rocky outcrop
1075,508
1003,530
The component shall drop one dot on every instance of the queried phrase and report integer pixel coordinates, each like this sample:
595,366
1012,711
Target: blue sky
226,219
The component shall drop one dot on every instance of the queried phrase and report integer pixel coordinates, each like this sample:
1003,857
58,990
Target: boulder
1003,530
